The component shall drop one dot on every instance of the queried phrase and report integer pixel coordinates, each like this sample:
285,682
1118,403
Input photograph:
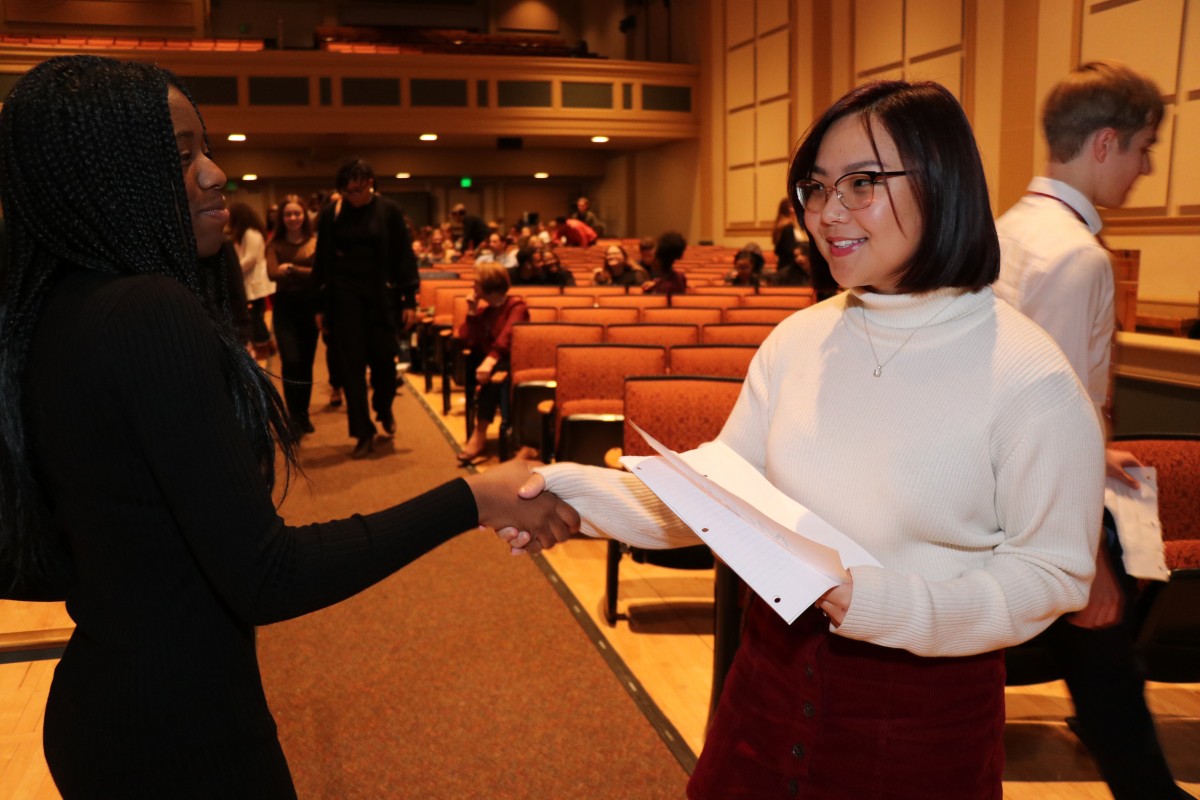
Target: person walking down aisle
138,442
249,240
931,423
1100,123
366,279
289,264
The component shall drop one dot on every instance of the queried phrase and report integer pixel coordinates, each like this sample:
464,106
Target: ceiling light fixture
249,176
237,137
599,139
541,175
428,137
403,175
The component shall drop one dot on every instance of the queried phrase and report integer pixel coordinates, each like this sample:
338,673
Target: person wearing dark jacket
139,444
366,279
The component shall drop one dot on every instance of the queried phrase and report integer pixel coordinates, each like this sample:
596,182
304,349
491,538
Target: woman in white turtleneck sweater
930,422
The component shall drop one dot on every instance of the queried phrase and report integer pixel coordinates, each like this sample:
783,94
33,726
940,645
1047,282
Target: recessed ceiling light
599,139
237,137
403,175
249,176
428,137
541,175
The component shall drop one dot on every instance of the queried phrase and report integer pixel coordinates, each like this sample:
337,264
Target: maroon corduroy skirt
806,713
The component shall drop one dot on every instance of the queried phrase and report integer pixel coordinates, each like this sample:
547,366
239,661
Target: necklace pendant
878,371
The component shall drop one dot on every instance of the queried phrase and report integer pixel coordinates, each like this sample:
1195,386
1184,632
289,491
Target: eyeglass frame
826,190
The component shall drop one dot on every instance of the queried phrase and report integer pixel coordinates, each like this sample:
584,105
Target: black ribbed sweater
177,548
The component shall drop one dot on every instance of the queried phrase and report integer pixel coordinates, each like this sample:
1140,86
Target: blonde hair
492,277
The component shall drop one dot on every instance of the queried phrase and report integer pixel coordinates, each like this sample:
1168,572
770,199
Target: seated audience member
528,270
646,256
573,233
584,214
421,252
474,229
487,331
440,250
747,268
553,272
495,249
669,249
617,271
795,272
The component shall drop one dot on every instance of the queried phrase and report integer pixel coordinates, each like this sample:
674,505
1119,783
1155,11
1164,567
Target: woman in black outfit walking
289,264
137,444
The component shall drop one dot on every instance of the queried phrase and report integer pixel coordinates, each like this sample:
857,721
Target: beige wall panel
772,136
931,25
946,70
803,66
887,75
1169,269
1145,35
986,118
771,188
739,77
611,196
841,67
739,22
878,33
1189,74
668,193
1185,166
771,14
774,67
739,138
1053,59
739,196
1150,191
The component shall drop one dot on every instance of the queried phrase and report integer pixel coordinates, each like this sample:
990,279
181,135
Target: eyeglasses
854,189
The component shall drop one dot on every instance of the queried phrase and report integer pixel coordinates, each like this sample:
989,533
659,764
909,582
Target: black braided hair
86,146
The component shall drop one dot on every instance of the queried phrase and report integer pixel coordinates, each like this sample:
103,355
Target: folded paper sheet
1138,526
788,555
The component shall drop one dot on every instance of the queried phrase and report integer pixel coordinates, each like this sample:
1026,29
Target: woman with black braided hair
137,443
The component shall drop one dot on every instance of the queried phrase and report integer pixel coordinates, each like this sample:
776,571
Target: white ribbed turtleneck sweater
970,468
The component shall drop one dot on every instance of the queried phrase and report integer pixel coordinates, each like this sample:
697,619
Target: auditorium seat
584,421
531,379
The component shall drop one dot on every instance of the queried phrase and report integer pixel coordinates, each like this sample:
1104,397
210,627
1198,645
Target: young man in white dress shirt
1100,123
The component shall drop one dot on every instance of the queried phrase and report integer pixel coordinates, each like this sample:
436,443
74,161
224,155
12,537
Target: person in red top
487,331
574,232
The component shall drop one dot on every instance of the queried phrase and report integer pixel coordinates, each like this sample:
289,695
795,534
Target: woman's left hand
484,372
836,602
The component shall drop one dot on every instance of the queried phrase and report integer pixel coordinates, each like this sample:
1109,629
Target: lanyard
1070,207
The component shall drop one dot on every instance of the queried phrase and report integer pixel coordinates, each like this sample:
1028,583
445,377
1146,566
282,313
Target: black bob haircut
958,245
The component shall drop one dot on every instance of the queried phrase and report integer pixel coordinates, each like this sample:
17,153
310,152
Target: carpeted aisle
461,676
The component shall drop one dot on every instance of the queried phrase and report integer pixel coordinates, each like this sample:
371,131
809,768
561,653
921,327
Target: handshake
512,500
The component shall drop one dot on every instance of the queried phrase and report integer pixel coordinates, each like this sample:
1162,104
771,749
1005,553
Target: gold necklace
879,365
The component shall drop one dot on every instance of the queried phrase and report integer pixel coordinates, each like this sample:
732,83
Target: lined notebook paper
1138,526
787,554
